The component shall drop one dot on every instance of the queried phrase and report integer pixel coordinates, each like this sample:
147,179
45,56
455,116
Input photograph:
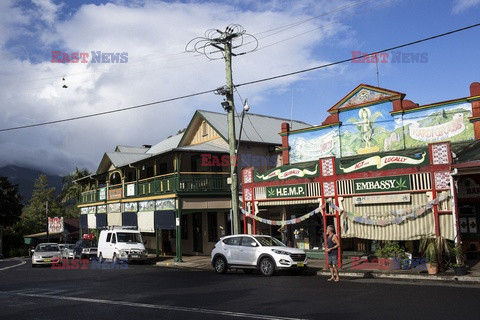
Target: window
212,227
109,236
233,241
204,128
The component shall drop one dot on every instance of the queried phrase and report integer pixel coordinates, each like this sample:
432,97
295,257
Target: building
380,167
176,192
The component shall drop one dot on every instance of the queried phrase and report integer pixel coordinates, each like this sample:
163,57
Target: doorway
197,232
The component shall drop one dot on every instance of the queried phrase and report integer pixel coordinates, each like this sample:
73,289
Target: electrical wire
242,84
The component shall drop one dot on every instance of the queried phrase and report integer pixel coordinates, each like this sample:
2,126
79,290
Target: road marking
153,306
17,265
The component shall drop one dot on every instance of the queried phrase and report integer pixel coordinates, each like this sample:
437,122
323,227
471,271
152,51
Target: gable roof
363,95
256,128
119,159
165,145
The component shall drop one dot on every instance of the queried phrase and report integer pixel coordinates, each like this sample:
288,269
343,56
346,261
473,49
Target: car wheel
267,266
100,258
220,265
248,271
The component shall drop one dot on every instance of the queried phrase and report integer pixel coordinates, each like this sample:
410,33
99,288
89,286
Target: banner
381,162
281,222
393,217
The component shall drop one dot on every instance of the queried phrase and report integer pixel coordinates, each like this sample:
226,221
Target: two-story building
380,167
176,192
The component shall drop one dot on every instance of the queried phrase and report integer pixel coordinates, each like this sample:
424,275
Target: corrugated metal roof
120,159
256,128
206,146
131,149
165,145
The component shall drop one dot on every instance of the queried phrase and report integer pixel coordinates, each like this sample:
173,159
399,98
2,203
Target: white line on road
16,265
154,306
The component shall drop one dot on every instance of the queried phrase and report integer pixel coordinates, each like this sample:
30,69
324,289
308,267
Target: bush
391,249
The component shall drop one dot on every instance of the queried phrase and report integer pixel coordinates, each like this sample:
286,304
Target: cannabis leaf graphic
401,184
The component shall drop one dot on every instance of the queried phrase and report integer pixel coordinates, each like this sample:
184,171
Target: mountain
25,179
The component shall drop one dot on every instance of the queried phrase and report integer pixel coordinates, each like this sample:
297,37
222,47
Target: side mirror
253,244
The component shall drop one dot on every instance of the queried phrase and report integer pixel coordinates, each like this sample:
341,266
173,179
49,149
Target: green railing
191,183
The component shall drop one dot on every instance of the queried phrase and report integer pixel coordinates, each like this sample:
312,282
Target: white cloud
460,6
154,35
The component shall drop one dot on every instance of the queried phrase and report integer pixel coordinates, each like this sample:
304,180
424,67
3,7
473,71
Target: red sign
89,236
115,194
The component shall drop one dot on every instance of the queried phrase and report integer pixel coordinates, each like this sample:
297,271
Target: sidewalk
317,266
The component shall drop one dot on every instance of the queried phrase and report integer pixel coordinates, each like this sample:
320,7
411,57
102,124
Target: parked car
46,254
85,249
121,243
256,252
67,252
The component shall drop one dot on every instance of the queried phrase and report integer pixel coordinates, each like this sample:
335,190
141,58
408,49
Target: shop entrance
197,232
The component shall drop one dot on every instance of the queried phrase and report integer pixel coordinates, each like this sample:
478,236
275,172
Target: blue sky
154,34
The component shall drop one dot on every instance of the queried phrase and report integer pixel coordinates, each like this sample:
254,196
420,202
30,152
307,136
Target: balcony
188,183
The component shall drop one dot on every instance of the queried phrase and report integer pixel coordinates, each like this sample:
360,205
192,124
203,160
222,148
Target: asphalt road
151,292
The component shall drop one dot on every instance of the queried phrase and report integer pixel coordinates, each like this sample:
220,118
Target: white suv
251,252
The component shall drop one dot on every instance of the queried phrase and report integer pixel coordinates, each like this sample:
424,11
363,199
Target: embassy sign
290,191
384,184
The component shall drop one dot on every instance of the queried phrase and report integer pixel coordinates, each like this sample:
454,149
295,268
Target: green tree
10,205
71,190
10,209
34,214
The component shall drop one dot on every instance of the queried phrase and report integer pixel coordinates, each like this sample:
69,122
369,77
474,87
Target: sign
289,191
381,162
102,194
385,198
383,184
468,188
165,204
55,224
440,132
130,190
115,194
288,172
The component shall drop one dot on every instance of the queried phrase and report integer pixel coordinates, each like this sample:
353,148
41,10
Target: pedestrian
332,253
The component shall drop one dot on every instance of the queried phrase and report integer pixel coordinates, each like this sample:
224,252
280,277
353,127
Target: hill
25,179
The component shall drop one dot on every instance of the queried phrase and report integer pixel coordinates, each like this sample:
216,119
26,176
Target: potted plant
459,267
429,248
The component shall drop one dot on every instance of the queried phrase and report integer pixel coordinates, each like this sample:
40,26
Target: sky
151,37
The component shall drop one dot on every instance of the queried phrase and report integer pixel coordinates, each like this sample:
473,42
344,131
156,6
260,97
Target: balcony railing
183,183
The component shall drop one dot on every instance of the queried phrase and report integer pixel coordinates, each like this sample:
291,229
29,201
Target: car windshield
47,247
89,243
269,241
129,237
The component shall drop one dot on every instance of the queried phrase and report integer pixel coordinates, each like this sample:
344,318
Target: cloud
460,6
154,35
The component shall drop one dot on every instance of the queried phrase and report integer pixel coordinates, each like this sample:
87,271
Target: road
151,292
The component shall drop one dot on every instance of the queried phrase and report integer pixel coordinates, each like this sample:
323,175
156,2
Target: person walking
332,253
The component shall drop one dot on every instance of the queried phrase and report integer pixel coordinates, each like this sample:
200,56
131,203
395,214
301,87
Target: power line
360,57
241,84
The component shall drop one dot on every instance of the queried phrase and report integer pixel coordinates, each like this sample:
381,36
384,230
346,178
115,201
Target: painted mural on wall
444,123
372,129
367,130
313,145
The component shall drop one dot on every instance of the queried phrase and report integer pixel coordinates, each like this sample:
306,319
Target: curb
373,275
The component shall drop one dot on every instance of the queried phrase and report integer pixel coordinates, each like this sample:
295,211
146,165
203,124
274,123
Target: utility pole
216,38
46,215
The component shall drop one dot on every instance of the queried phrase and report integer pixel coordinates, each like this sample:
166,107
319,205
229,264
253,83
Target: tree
33,216
10,205
71,190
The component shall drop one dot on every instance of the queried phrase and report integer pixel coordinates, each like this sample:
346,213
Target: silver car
67,252
46,253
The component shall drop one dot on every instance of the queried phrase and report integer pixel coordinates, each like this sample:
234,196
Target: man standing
332,253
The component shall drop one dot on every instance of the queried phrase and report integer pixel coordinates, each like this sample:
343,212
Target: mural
313,145
372,129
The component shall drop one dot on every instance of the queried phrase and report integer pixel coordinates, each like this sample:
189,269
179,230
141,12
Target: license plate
135,256
300,264
47,260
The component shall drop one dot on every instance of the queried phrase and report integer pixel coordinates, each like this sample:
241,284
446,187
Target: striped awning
422,226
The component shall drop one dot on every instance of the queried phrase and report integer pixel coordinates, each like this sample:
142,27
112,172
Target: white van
121,243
